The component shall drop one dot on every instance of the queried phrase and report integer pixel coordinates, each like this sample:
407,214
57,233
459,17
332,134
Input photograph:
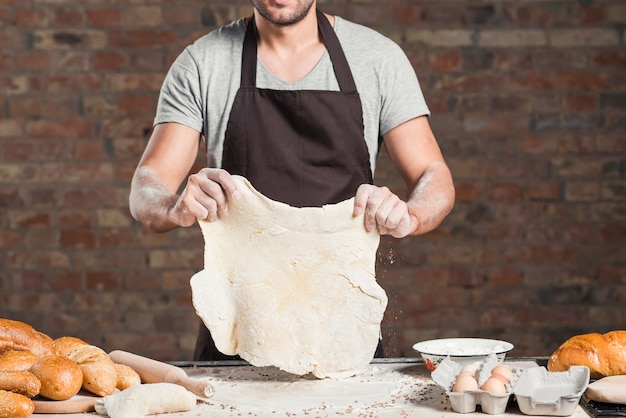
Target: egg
464,382
472,368
501,378
503,371
466,373
494,386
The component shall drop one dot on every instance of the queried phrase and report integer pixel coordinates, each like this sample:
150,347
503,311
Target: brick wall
528,102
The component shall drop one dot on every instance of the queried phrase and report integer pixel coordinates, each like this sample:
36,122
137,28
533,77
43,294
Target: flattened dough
291,287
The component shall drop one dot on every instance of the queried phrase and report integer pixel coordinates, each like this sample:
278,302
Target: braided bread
99,374
604,354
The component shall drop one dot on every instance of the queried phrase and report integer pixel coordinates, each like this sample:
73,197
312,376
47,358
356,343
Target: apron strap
337,57
249,55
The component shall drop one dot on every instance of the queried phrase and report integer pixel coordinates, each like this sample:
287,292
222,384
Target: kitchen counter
387,388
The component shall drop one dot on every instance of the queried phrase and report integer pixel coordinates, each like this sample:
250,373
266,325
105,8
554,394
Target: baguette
14,405
604,354
18,336
22,382
99,374
17,360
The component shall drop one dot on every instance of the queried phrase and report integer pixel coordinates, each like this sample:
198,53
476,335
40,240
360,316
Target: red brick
69,16
406,14
60,128
138,105
445,61
105,17
43,196
116,238
31,219
506,192
590,14
89,150
580,233
109,60
73,218
142,38
581,103
31,17
467,192
544,190
103,281
18,150
78,239
609,59
6,61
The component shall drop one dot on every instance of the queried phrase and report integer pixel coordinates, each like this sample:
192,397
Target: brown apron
305,148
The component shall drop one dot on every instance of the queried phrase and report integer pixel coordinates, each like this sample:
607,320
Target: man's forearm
151,201
432,199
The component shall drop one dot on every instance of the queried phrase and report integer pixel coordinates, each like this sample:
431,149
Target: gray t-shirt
201,85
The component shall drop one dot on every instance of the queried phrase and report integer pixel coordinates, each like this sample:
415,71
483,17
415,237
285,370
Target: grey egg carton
536,390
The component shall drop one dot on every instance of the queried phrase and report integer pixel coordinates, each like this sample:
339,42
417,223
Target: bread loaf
16,335
99,374
60,377
20,381
126,376
604,354
14,405
17,360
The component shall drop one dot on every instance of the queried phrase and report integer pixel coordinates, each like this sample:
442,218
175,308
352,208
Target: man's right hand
205,196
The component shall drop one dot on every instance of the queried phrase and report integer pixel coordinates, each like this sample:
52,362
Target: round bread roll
14,405
17,360
60,377
126,376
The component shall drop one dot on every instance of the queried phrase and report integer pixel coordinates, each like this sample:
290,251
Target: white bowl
461,350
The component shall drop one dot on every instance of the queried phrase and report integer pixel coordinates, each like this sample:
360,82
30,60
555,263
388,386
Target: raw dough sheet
291,287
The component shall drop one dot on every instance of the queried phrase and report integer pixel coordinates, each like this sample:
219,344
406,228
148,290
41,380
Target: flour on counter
251,391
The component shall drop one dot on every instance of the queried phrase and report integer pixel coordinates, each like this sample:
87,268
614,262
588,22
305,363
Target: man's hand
384,211
205,197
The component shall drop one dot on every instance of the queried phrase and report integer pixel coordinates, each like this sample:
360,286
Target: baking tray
602,410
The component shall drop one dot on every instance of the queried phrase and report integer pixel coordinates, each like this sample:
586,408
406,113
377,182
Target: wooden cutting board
82,402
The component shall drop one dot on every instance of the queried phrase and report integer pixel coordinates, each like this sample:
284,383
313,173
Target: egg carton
540,392
536,390
466,402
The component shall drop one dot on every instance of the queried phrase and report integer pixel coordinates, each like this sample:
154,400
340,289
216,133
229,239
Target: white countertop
389,388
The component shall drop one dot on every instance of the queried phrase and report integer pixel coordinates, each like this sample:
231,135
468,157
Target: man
295,101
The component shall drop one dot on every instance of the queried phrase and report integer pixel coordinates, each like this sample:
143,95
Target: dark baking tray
602,410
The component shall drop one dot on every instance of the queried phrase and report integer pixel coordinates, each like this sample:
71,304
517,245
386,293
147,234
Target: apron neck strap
337,57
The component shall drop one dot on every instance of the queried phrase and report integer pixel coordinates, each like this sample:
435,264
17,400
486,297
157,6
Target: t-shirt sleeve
180,97
402,97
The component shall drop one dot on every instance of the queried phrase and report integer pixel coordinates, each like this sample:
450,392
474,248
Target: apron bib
300,147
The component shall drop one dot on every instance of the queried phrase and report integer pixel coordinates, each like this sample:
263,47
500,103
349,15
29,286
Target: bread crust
19,336
14,405
99,374
20,381
604,354
126,376
17,360
60,377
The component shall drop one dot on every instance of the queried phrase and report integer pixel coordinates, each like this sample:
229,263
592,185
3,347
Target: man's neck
289,39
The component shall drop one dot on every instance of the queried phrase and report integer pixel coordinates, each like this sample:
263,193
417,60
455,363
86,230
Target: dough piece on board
146,399
291,287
